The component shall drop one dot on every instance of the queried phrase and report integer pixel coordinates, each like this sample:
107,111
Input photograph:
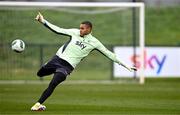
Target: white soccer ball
18,46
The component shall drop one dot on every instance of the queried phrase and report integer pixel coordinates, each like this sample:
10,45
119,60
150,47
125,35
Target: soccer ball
18,46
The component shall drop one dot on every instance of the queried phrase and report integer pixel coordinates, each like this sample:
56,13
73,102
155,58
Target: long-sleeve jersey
79,47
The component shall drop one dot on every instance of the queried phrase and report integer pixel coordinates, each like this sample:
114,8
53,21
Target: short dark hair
87,23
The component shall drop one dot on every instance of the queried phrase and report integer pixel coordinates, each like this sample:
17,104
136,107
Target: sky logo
152,61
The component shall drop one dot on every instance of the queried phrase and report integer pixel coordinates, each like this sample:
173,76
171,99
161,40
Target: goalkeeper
81,43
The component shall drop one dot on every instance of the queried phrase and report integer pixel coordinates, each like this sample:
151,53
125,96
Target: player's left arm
52,27
100,47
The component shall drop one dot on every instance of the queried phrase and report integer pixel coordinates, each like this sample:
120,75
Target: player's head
85,28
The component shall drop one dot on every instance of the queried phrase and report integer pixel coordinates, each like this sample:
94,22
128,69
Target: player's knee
39,73
61,76
58,78
43,71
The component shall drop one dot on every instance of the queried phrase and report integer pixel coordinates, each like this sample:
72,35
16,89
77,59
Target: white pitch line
71,82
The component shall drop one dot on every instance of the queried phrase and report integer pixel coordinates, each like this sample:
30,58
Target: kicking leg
57,79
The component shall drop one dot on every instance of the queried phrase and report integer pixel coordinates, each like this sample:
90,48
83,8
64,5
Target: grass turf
160,96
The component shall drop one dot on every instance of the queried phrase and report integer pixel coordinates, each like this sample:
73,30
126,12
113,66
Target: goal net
116,25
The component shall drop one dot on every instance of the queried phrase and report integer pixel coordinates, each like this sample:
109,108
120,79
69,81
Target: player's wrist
127,67
43,21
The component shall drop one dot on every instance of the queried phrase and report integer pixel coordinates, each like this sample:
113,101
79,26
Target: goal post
142,42
96,4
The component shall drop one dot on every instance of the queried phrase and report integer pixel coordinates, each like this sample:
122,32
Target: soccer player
81,43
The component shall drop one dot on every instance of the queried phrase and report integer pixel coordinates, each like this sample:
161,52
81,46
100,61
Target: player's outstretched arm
112,56
54,28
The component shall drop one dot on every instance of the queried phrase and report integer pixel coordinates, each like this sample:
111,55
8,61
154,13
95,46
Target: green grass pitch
160,96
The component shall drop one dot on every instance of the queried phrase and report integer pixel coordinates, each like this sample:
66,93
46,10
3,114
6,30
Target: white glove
40,18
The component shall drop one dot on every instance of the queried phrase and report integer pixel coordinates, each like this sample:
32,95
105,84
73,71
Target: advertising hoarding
158,61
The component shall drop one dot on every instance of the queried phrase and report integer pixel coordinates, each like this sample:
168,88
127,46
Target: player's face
84,29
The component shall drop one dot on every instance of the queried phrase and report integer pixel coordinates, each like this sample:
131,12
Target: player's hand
131,69
39,17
